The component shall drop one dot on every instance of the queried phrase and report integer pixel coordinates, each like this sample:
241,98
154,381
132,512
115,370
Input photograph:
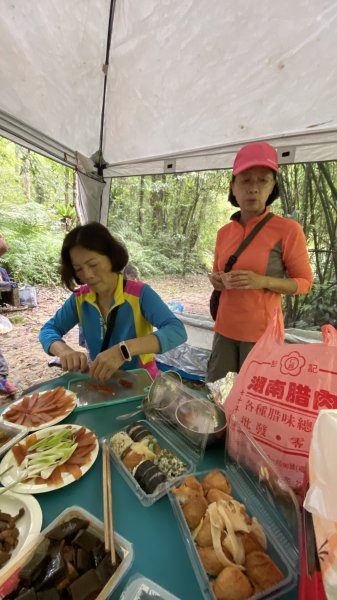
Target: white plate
37,488
47,423
29,525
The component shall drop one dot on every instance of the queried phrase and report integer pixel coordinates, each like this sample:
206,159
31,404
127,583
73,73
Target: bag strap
112,316
234,257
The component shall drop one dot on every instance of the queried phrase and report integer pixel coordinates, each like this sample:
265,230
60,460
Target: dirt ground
28,364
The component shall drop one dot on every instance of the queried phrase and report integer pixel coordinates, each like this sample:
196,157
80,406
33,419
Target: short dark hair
274,194
92,236
130,271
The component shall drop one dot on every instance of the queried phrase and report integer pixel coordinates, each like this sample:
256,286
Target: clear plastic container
142,588
124,548
10,434
164,442
266,497
181,421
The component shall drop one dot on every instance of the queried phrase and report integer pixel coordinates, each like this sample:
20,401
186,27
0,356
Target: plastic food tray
165,442
280,545
125,549
125,386
141,588
11,434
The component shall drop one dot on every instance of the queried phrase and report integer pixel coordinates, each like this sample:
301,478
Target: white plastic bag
5,324
28,296
321,497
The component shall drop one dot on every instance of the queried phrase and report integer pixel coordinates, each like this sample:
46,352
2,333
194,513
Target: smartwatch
125,352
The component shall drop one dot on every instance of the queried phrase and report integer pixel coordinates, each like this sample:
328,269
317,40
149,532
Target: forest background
168,222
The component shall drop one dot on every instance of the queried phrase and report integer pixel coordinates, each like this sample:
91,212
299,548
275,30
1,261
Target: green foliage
31,189
168,222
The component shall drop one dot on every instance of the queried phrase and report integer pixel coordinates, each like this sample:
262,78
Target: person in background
6,388
276,261
91,256
131,272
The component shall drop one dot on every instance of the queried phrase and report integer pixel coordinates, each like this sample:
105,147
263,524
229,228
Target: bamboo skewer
109,541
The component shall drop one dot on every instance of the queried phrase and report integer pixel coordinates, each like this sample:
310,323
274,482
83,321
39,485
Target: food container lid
10,435
257,477
185,417
142,588
124,386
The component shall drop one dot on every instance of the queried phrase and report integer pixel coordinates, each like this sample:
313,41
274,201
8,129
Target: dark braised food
4,437
69,564
9,534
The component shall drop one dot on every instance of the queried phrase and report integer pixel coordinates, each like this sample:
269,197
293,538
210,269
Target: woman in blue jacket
117,317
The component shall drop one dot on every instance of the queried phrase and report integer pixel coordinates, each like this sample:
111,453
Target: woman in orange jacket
275,262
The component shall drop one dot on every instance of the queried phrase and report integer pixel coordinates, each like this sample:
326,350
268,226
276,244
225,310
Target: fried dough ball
189,488
262,571
215,479
250,543
194,509
210,560
213,495
204,537
232,584
193,483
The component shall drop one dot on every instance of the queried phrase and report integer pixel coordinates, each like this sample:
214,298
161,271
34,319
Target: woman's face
93,269
252,189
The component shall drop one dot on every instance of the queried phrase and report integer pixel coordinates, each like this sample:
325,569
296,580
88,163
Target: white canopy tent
128,87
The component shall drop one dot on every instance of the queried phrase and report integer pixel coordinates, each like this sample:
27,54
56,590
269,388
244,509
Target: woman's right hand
71,360
216,281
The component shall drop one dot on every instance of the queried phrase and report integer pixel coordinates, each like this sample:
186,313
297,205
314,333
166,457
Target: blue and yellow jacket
140,310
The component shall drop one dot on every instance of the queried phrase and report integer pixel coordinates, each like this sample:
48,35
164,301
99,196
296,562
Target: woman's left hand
246,280
106,363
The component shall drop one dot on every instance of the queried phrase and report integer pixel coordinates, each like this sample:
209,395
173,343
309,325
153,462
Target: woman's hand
71,360
216,281
106,363
245,280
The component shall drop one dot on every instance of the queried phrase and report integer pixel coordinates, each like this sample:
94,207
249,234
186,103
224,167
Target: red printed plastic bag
278,394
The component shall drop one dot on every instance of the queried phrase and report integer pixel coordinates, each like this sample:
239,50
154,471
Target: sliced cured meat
19,451
74,470
86,444
41,407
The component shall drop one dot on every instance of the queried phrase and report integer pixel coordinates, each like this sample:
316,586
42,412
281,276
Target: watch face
125,352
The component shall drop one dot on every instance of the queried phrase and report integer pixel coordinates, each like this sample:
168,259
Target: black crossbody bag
112,316
215,295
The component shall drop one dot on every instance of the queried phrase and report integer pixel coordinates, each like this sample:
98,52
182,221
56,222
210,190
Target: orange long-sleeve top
278,250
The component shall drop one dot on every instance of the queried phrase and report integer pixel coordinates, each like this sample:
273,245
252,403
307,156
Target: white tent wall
188,81
199,74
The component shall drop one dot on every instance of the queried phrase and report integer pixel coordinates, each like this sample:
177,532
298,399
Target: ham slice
41,407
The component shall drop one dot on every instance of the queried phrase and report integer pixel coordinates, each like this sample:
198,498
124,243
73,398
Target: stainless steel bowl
198,418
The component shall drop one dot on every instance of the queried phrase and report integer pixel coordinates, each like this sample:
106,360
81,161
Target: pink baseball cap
258,154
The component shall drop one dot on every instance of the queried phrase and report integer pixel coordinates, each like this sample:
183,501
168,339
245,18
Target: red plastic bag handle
277,326
329,335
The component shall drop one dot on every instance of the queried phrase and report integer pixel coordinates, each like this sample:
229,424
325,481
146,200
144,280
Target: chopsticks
109,541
